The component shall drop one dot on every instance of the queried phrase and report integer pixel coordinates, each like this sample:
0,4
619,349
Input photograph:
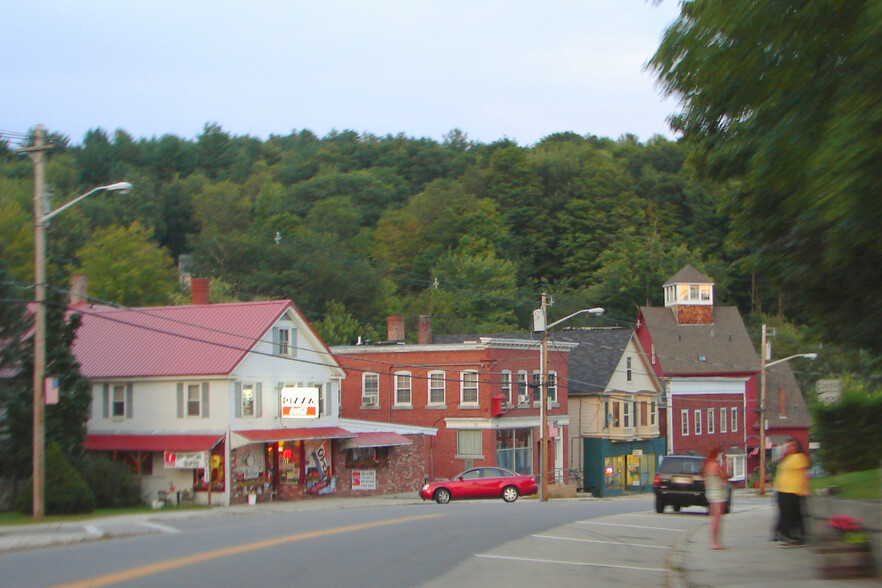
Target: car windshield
681,465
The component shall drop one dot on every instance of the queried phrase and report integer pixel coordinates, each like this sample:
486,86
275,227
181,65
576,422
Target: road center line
630,526
598,541
163,528
198,558
570,563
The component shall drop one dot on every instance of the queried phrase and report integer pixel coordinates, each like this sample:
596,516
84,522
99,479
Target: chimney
395,328
424,330
199,291
78,286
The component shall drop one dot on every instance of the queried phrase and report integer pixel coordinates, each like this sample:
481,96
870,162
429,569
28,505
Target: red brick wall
404,471
705,441
695,315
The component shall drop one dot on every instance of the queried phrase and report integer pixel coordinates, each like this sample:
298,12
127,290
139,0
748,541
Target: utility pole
762,413
543,408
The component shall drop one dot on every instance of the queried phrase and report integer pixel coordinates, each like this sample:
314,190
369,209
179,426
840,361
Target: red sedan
486,482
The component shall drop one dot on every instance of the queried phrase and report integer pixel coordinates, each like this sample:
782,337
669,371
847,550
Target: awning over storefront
387,439
240,438
182,443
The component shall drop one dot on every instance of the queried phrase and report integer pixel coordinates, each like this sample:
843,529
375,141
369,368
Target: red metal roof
152,442
208,339
263,435
387,439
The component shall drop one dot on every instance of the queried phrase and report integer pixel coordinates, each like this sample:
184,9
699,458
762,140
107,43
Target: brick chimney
78,287
424,330
395,328
199,291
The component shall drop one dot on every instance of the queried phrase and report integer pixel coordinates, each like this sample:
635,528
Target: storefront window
514,450
614,473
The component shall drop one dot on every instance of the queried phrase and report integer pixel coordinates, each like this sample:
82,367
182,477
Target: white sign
299,403
829,391
186,461
364,479
637,452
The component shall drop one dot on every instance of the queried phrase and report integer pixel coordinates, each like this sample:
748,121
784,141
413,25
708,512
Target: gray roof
688,275
718,348
590,365
780,377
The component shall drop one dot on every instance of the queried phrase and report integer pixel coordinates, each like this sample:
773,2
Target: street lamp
762,402
41,217
540,324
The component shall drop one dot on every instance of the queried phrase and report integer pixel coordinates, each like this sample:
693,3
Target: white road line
163,528
93,531
631,526
571,563
598,541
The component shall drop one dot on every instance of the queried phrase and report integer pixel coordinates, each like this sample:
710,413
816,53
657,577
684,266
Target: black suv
679,482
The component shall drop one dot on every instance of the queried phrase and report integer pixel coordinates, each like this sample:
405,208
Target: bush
112,482
850,432
65,491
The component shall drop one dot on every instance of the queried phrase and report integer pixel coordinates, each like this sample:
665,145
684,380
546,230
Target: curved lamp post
540,323
41,217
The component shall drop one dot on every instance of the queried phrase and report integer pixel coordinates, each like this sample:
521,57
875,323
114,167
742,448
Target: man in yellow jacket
791,485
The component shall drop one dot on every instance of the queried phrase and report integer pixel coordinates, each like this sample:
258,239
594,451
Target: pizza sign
298,403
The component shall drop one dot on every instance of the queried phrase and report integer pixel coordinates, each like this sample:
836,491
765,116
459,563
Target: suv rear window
681,465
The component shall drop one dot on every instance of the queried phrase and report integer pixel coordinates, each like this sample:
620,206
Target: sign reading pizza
186,461
299,403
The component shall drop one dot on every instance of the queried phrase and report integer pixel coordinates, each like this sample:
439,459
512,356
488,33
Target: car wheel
442,496
677,508
659,505
510,494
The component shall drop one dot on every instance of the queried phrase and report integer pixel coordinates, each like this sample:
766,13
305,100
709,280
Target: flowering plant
851,529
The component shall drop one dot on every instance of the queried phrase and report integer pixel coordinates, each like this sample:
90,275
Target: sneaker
785,544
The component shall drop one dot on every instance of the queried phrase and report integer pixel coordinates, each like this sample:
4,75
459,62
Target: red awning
152,442
269,435
387,439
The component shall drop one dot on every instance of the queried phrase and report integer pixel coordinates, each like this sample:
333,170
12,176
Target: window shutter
275,340
180,400
205,400
238,407
105,405
258,401
292,342
129,397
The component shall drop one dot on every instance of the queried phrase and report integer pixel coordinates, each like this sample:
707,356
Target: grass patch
858,485
16,518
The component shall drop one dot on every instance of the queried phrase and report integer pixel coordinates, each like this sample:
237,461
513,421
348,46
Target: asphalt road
472,543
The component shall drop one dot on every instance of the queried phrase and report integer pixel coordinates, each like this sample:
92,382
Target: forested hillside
355,227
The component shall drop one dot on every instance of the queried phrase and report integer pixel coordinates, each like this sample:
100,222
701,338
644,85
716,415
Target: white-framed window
194,400
505,385
684,422
468,388
285,341
403,392
626,414
118,408
552,386
370,389
469,444
628,368
436,388
735,465
522,387
710,421
247,400
724,420
117,401
653,413
698,422
616,421
734,420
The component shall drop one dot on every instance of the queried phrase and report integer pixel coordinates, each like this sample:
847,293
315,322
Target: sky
512,69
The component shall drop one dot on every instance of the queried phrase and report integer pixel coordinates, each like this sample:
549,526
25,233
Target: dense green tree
784,96
125,267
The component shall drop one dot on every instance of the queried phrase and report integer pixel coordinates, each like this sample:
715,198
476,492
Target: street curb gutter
676,560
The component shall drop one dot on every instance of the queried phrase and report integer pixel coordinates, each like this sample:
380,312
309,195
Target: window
628,369
552,386
644,419
710,421
653,413
626,414
684,422
117,401
522,387
436,388
468,444
247,400
616,415
469,389
505,385
370,389
705,292
724,417
693,291
402,389
285,341
194,398
734,422
698,422
735,467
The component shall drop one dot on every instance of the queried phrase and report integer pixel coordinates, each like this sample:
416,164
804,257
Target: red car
486,482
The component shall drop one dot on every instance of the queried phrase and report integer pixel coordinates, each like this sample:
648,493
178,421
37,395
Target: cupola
690,295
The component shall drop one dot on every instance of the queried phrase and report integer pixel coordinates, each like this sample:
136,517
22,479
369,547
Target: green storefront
613,468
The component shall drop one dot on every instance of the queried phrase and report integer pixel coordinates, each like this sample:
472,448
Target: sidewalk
750,558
